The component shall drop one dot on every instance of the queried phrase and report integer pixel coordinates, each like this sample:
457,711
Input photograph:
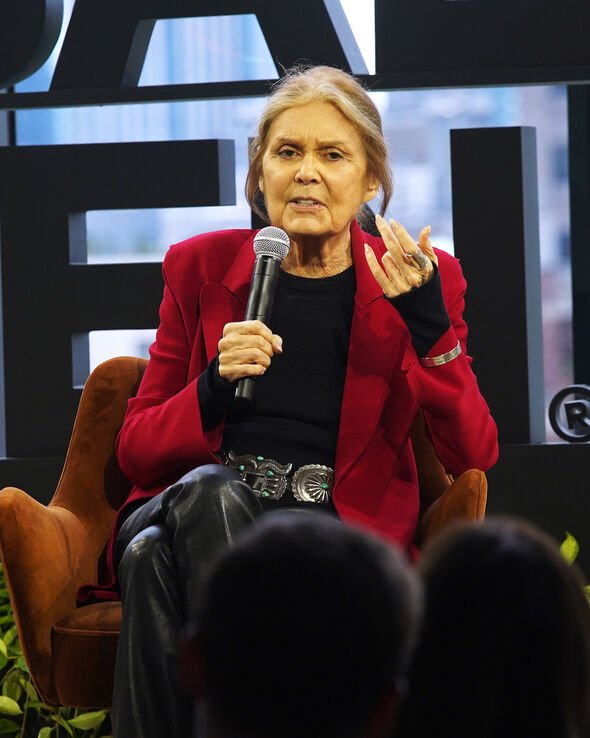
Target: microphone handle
245,391
260,301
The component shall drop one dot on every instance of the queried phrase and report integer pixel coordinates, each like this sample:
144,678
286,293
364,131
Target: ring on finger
419,258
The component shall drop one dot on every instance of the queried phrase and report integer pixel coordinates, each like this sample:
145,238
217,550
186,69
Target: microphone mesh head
271,241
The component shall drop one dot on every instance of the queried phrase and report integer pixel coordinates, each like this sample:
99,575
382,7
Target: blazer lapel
225,302
378,341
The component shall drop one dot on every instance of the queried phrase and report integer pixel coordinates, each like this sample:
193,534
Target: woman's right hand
246,349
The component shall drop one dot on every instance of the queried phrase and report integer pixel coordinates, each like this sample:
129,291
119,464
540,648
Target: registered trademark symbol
569,413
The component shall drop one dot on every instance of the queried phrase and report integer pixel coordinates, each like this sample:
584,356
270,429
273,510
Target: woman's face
314,172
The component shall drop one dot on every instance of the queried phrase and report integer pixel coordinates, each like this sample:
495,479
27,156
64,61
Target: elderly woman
365,332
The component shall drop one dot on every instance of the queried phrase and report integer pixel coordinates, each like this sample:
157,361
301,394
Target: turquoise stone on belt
270,479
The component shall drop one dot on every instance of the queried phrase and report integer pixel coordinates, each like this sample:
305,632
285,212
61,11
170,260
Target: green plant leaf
9,707
29,689
569,548
14,649
3,649
88,720
11,684
8,726
10,635
22,664
62,721
44,732
11,688
38,705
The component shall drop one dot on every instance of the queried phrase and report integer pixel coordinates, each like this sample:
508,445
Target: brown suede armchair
49,551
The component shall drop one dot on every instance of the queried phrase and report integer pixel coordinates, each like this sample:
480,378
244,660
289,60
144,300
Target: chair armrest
47,554
465,499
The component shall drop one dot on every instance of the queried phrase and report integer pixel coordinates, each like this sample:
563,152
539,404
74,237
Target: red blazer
207,281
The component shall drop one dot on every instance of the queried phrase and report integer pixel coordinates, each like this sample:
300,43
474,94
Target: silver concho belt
269,479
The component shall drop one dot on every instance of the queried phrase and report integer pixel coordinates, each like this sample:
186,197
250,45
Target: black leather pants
163,548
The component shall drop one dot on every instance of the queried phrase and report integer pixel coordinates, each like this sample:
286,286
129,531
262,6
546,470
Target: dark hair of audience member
306,625
505,646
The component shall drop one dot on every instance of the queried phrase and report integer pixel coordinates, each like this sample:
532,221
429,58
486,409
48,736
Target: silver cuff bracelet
441,358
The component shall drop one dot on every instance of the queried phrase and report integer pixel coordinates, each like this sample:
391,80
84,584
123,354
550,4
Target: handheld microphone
271,245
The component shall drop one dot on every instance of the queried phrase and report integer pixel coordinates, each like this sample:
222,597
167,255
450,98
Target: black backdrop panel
46,299
38,477
579,173
29,30
547,484
496,233
107,41
447,42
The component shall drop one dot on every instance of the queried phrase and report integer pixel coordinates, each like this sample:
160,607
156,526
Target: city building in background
417,125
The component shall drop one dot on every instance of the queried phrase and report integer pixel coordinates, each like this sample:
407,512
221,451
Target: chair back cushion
92,486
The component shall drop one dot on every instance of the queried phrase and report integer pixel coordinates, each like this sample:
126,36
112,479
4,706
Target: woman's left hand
405,265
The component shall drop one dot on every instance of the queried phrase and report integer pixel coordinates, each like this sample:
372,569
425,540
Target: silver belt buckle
312,483
266,477
269,479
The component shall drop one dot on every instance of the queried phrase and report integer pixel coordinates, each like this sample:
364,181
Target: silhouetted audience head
505,647
306,631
